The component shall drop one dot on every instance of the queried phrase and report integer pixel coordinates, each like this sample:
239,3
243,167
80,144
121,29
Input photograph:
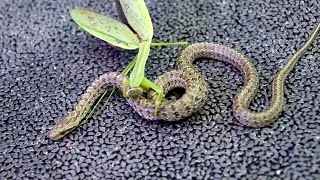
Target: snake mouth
175,93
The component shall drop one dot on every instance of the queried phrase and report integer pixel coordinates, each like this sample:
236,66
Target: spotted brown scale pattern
47,63
196,89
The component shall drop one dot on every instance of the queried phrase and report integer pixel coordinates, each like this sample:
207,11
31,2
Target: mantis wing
138,17
105,28
122,17
139,20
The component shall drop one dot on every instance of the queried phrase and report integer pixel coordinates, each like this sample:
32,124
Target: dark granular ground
47,62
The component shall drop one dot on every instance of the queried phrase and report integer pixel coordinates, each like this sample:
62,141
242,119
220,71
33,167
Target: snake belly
196,89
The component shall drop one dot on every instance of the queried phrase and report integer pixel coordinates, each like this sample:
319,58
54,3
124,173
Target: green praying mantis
134,32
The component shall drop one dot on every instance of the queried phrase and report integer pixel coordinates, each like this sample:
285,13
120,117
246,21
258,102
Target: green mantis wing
122,17
139,20
138,17
105,28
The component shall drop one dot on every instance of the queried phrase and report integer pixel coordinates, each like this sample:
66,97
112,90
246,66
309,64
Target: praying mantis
134,32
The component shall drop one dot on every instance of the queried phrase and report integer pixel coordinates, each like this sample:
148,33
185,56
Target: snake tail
246,94
251,79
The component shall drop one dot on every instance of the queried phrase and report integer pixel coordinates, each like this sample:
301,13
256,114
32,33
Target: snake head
59,131
65,126
56,133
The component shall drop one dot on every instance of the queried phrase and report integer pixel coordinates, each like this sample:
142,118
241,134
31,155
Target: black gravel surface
47,62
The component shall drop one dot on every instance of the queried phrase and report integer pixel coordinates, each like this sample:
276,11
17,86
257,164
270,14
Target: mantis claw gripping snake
196,89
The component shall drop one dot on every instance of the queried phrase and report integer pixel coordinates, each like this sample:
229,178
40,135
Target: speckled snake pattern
196,89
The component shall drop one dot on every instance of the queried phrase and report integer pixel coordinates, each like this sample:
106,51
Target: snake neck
96,88
93,92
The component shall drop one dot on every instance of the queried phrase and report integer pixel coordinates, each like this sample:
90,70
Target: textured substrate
47,62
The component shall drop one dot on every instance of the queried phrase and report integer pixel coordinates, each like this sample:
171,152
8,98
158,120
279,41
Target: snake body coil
188,77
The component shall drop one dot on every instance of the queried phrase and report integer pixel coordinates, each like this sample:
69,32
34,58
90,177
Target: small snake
196,89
